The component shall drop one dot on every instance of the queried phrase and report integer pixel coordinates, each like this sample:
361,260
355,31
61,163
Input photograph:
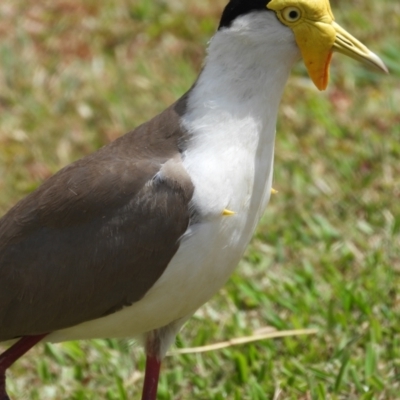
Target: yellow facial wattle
318,35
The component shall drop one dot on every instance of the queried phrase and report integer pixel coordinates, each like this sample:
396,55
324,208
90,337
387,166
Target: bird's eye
291,14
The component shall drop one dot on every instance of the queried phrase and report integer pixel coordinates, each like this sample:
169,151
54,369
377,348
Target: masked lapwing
130,241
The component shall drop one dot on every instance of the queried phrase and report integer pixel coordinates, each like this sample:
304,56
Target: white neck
246,69
232,110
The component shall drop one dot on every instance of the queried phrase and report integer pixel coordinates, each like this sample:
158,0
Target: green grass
75,75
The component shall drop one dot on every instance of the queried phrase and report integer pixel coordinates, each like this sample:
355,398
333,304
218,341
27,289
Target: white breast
230,118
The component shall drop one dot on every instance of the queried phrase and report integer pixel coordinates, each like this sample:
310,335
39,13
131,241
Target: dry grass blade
243,340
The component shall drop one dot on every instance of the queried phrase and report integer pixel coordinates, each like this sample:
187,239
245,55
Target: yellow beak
319,42
318,36
349,45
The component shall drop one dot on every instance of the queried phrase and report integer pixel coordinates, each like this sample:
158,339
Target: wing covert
93,238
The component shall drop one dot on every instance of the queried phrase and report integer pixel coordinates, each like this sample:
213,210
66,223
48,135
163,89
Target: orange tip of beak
320,74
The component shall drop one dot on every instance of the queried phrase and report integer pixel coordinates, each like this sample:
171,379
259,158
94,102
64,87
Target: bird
131,240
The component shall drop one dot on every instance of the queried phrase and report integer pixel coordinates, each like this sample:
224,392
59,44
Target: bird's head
315,31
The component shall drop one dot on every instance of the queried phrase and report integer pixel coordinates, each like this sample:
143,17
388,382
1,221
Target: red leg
11,355
3,393
151,375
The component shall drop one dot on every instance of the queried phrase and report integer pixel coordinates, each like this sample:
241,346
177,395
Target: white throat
247,67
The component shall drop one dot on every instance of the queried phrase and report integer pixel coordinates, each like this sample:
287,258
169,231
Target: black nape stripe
235,8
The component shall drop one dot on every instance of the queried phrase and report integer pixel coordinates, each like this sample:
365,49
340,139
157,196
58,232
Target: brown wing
97,235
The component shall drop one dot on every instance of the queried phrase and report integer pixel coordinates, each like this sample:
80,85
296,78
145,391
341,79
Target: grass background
75,75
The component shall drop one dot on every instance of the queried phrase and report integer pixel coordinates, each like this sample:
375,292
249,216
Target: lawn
75,75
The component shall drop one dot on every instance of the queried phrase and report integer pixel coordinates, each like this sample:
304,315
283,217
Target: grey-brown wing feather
97,235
